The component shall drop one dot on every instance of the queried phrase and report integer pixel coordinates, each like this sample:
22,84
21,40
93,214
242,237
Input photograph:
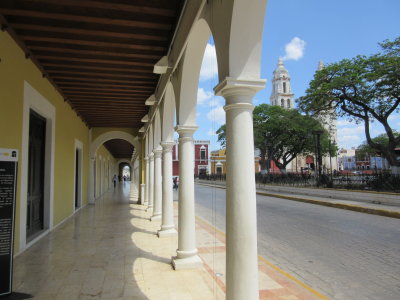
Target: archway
100,140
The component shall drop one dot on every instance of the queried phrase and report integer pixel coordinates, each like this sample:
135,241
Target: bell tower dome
281,90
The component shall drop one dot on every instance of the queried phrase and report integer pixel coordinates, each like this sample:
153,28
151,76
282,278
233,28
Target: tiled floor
110,251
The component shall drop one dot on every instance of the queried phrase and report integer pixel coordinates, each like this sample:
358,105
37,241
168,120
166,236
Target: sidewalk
110,251
364,207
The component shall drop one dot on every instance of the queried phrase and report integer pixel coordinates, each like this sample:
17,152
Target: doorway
78,175
36,167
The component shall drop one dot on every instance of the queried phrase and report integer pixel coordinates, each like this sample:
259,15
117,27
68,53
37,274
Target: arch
247,23
157,130
167,112
110,135
186,80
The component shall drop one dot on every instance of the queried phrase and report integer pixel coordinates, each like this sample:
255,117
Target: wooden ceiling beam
149,66
106,93
60,49
111,90
133,76
89,32
103,80
88,84
87,19
99,44
60,67
114,6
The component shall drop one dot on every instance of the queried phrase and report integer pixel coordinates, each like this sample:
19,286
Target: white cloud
348,141
217,114
209,66
215,101
294,50
211,132
203,95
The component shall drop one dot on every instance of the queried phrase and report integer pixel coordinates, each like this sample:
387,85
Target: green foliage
363,89
282,134
366,150
221,132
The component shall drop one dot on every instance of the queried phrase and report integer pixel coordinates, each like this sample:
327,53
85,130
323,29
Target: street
342,254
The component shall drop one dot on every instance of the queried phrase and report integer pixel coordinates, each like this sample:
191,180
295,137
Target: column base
156,217
192,262
149,208
166,232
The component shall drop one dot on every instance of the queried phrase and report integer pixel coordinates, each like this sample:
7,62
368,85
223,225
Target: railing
383,182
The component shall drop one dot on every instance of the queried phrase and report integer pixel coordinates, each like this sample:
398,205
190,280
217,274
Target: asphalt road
342,254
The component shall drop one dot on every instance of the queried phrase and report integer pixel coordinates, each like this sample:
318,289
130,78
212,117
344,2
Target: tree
363,89
366,150
281,135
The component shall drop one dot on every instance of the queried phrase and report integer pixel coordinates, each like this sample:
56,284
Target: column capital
146,158
157,153
239,87
151,156
167,146
186,130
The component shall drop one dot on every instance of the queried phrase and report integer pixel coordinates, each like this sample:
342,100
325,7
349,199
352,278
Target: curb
367,210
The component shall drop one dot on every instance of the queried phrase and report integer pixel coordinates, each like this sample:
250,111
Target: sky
303,32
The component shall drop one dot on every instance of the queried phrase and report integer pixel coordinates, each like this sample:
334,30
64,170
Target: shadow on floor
16,296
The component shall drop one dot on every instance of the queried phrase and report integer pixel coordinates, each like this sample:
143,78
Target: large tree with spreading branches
282,134
364,89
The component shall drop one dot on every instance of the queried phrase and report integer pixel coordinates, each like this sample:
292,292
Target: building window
203,154
284,87
282,103
288,103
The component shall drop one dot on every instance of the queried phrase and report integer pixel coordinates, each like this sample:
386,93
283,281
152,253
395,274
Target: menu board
8,180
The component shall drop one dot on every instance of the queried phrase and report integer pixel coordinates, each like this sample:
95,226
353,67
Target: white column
157,185
147,181
167,224
187,253
91,192
151,181
241,217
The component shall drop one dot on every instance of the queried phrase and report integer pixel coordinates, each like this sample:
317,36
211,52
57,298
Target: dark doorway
35,205
77,183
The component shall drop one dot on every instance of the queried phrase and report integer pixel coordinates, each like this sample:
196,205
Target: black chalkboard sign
8,180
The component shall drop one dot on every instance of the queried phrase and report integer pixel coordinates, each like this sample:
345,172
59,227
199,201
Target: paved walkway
110,251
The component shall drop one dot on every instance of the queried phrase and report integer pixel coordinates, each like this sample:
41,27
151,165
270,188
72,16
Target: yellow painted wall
14,70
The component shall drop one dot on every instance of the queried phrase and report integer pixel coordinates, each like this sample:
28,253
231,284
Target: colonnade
236,27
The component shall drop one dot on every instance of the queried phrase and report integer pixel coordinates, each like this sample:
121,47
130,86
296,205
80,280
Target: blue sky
304,32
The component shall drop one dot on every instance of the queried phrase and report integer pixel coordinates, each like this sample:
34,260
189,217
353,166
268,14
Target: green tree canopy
363,89
366,150
281,134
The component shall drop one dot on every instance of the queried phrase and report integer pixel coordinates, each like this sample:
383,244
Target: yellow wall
14,70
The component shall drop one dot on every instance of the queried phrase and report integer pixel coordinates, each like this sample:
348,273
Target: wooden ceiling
119,148
99,54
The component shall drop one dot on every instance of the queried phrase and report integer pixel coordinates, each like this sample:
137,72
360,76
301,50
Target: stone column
151,181
147,182
91,192
167,224
187,253
241,217
157,185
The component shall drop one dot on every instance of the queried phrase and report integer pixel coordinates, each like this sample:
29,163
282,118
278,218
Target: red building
201,158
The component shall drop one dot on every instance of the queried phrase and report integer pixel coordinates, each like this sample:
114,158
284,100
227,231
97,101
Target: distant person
115,179
124,179
175,180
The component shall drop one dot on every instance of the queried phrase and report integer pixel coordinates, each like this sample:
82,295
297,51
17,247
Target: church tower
281,91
